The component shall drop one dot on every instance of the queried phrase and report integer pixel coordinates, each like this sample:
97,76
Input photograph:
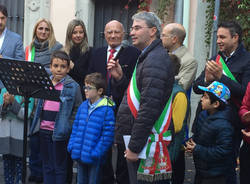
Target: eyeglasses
137,28
88,88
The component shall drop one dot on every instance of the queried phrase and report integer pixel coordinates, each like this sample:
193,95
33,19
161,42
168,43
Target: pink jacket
245,107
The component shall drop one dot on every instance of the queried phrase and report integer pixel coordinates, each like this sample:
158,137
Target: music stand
27,79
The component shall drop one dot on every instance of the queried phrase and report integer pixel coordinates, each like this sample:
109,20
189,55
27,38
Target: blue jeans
54,157
88,174
35,160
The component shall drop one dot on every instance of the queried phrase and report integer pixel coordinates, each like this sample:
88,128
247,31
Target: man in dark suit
99,62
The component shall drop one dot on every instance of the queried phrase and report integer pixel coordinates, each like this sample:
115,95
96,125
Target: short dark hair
60,54
4,11
214,98
176,63
234,28
96,79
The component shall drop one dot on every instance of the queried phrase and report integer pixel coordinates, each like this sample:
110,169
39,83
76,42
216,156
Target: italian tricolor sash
29,53
225,69
157,165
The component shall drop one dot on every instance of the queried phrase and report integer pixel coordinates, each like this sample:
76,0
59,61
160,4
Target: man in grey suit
11,45
172,37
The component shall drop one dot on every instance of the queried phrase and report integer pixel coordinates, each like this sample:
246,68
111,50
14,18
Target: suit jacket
127,60
12,46
188,67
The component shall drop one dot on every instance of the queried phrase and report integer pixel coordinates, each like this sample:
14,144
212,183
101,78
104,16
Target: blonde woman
43,44
76,45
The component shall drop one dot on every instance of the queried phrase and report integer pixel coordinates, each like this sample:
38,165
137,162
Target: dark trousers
132,171
122,176
69,168
179,169
245,163
54,157
209,180
35,160
107,176
12,166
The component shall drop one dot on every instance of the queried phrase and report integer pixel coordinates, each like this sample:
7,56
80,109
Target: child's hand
246,116
244,132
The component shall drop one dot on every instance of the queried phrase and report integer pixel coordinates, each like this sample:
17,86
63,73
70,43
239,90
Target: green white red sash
157,165
29,53
225,69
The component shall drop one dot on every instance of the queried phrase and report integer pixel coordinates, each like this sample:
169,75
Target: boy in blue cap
212,143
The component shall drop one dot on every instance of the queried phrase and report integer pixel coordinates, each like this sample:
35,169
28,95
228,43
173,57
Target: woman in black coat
76,45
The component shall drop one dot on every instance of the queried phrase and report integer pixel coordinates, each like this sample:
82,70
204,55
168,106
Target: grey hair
151,19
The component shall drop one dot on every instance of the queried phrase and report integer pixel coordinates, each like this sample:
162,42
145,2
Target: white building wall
85,10
196,42
62,12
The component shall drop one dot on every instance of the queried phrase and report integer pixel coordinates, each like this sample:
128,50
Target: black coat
155,81
81,64
213,135
127,60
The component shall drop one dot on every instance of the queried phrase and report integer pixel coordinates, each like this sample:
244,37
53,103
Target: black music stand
27,79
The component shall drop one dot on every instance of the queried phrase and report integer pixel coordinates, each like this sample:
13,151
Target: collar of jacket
104,102
154,44
238,51
66,80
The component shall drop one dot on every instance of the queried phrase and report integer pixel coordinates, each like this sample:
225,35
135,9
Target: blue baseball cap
218,89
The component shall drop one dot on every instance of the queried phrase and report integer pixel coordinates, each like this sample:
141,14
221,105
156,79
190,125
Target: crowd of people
132,99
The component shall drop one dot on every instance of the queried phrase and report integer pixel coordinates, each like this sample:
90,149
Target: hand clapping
213,70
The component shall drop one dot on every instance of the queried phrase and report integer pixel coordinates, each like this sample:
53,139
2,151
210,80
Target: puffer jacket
155,79
213,153
93,134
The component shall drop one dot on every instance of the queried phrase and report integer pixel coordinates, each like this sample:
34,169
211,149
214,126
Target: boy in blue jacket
93,130
212,142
